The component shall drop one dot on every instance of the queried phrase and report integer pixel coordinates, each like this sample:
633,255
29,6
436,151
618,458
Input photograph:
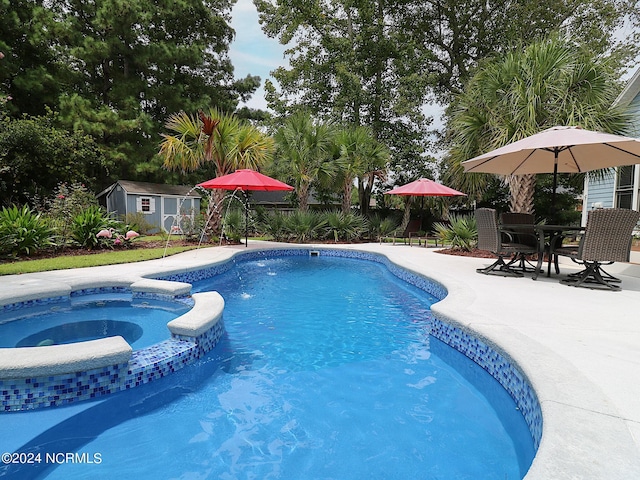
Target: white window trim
152,205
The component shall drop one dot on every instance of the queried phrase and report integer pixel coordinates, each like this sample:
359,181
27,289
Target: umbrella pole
246,218
555,185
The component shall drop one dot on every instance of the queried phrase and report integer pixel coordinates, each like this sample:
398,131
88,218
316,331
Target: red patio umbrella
245,180
424,187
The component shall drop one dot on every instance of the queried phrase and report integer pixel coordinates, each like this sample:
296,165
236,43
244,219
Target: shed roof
145,188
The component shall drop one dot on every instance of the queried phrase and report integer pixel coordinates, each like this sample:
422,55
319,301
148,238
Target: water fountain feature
176,224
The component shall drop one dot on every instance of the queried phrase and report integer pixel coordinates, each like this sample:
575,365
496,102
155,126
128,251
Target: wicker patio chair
523,224
607,239
492,238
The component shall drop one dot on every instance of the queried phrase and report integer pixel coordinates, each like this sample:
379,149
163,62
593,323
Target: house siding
634,108
152,217
603,191
600,192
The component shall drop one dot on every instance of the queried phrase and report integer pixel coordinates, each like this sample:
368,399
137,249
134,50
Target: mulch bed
72,252
463,253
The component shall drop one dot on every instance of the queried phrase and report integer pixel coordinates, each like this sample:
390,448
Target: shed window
146,204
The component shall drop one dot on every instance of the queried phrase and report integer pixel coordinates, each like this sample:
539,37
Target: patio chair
523,224
501,242
606,239
405,235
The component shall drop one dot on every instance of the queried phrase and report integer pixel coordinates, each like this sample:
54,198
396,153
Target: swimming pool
231,416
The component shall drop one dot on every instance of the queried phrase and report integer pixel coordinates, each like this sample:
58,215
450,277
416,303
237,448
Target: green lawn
77,261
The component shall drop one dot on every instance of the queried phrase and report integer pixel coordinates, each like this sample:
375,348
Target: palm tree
304,149
214,138
551,82
359,155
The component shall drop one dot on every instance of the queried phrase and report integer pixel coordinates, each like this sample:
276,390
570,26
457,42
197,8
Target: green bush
138,221
304,226
462,233
233,225
86,225
274,224
66,202
381,226
348,227
22,231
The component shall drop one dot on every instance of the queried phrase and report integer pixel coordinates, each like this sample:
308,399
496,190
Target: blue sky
252,52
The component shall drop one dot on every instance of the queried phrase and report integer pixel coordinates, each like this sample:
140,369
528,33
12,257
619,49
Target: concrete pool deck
579,348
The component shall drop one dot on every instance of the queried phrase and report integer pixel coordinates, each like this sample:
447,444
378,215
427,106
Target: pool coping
584,435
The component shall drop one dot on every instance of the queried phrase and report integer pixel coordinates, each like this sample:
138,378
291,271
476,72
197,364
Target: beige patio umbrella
558,150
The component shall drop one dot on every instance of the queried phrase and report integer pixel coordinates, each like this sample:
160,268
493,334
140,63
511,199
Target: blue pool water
327,371
141,323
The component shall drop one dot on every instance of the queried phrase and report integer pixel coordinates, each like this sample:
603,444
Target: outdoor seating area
405,235
560,149
511,243
606,239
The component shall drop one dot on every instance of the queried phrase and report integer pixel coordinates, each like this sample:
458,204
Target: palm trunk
303,196
522,188
406,215
365,187
214,213
346,195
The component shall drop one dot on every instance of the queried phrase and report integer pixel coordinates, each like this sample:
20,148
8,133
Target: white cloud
252,52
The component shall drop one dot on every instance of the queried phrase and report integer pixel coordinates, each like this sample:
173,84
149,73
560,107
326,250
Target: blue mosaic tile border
38,302
183,299
499,367
100,291
145,365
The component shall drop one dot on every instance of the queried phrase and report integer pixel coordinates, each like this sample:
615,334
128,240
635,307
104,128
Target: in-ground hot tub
94,357
141,321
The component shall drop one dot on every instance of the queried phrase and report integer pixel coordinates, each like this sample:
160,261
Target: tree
35,157
355,63
359,155
116,69
377,63
454,36
551,82
29,72
304,153
217,140
135,62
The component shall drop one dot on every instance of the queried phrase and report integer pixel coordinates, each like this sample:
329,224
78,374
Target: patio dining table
548,238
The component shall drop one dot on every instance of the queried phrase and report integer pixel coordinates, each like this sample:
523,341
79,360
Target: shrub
381,227
67,202
23,231
462,233
275,225
233,225
341,226
138,221
303,226
86,225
